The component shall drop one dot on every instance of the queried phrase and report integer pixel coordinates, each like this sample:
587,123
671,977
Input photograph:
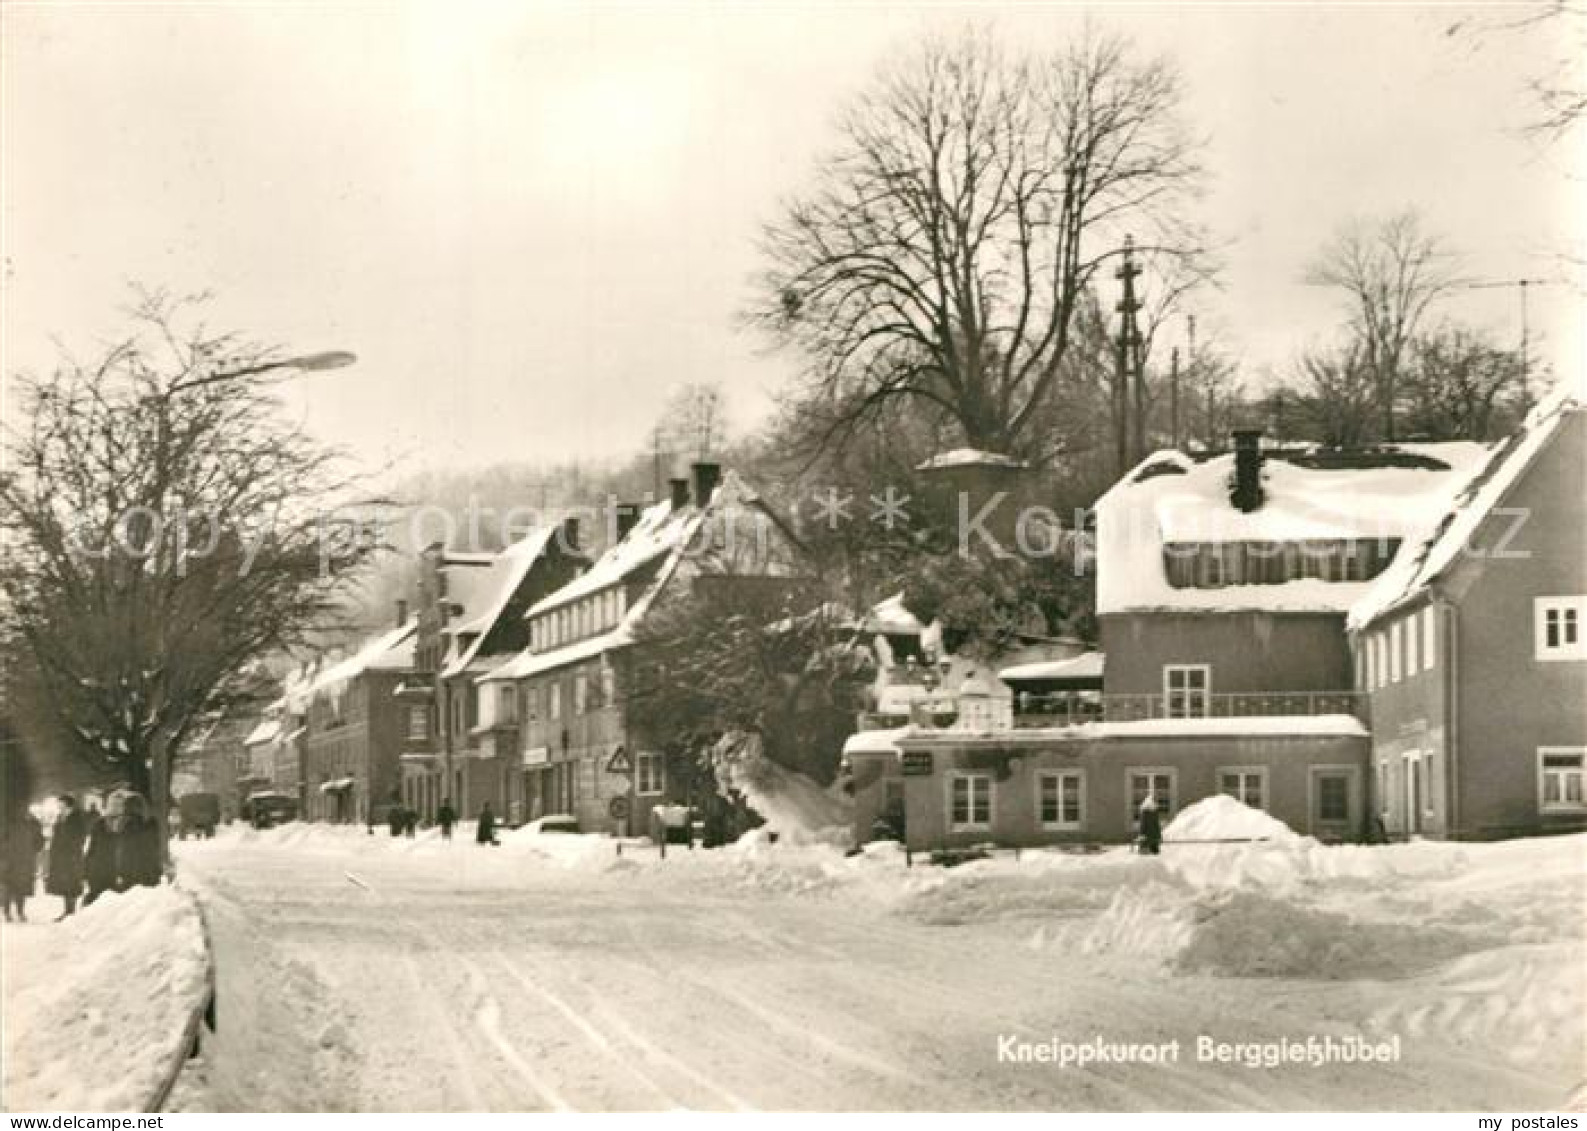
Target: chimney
680,493
706,477
626,515
570,534
1246,494
402,612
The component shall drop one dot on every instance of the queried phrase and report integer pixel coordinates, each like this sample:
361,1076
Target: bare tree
951,238
1391,273
1335,397
164,531
1461,386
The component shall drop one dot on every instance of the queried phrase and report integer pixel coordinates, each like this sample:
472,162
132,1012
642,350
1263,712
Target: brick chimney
1246,493
680,493
706,478
570,533
402,611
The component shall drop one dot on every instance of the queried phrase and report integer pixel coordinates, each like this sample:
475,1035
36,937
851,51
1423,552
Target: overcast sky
530,222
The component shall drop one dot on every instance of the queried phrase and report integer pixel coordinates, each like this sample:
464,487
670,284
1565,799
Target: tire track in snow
589,1032
487,1017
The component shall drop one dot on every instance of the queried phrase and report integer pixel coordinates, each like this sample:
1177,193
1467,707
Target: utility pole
1129,366
1521,286
1173,396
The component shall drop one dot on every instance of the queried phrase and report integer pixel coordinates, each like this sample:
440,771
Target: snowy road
357,975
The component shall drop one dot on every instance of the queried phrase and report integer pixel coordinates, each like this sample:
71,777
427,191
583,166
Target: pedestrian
486,832
138,853
99,860
1151,827
64,874
446,817
397,818
23,840
410,823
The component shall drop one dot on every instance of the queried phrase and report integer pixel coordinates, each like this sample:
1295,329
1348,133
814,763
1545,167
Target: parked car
267,808
553,823
199,813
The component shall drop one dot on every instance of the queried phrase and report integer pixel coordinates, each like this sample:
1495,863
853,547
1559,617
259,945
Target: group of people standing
88,853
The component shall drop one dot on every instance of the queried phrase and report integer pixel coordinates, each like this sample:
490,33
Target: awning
336,786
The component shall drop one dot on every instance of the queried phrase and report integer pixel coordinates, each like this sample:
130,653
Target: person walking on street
446,817
1151,826
64,875
23,840
138,854
99,860
486,832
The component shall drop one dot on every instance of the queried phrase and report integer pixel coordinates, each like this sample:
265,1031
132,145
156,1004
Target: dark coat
138,853
23,841
64,874
1151,827
99,861
446,816
486,833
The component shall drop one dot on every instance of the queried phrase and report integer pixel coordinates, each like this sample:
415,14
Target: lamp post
161,756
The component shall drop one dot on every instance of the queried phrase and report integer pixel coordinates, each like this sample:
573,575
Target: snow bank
1222,817
791,804
96,1007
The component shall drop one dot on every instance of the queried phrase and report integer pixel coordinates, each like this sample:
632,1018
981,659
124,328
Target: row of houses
1369,643
507,679
1381,643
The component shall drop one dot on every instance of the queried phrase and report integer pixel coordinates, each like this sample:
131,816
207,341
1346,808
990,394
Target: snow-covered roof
969,457
1260,726
891,618
1449,529
388,652
874,741
265,731
1085,666
661,530
492,589
662,533
1170,498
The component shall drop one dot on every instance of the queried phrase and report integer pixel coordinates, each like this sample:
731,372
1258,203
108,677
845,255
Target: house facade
1224,585
581,749
353,731
1471,652
460,745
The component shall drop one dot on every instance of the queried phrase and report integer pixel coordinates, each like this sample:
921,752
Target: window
1412,661
1245,784
1429,639
1394,652
1159,784
1383,788
1061,799
649,772
970,801
1559,628
581,692
554,701
608,682
507,704
1333,797
1561,774
1185,688
1379,647
1369,655
418,723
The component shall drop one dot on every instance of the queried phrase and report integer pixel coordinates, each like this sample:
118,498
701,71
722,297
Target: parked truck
200,813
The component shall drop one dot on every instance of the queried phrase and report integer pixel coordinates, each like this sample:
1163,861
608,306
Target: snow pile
97,1006
791,804
1222,817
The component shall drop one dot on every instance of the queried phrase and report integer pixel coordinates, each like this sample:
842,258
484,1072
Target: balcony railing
1069,708
1074,708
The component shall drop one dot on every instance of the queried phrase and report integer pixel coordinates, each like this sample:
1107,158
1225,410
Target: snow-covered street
362,972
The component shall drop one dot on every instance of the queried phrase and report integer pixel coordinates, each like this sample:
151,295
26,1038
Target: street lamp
307,363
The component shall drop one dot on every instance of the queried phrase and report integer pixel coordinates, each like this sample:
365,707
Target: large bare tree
164,528
949,240
1391,272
